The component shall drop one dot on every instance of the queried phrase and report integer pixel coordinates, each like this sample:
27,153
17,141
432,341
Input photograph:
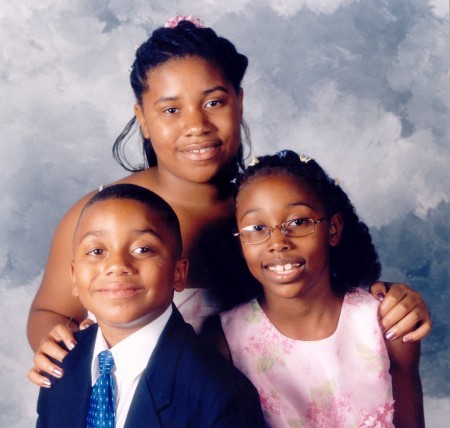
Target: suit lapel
156,386
71,393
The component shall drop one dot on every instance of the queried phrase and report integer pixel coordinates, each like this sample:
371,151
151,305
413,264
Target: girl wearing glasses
310,340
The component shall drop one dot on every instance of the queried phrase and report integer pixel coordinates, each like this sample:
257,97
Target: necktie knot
105,362
101,406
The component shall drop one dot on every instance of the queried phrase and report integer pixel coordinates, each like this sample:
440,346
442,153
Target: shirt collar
131,355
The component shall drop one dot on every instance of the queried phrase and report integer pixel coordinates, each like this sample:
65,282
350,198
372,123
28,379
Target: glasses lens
254,234
299,227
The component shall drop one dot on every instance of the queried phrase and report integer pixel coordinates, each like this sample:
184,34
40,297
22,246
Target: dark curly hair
186,39
354,261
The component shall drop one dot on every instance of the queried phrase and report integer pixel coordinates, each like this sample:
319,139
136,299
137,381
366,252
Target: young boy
126,265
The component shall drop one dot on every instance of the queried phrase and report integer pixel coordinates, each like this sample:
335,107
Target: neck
116,332
304,318
188,193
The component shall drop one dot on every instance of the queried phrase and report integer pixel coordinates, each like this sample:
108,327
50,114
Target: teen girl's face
124,269
192,116
286,267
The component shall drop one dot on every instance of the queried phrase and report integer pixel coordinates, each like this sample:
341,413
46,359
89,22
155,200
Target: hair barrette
282,154
173,22
304,159
254,161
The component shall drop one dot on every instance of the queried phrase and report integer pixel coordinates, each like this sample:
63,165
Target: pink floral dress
342,381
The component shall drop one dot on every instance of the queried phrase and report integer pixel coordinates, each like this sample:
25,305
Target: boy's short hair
150,199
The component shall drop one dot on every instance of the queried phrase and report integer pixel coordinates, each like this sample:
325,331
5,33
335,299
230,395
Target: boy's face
124,269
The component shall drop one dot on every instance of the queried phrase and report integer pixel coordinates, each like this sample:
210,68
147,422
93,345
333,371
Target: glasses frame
283,229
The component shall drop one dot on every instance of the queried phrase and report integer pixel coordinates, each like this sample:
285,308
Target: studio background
360,85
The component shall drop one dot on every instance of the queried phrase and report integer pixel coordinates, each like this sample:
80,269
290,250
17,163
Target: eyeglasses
295,228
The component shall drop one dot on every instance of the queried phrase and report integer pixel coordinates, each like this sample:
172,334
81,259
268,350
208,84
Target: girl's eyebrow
205,92
253,210
216,88
293,204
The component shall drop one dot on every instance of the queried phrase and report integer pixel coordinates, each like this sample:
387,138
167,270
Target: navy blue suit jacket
185,384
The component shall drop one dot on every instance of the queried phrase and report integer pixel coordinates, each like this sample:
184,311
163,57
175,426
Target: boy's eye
143,250
95,252
170,110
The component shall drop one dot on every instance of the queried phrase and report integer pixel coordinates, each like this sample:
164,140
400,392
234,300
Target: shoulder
360,299
206,388
199,362
83,350
144,178
237,320
239,312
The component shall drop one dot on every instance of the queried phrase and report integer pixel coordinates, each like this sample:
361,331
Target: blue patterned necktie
101,406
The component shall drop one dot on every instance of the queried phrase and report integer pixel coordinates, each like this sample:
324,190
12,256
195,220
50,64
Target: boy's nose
118,264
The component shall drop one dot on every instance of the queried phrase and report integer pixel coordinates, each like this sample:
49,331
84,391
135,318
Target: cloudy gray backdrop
361,85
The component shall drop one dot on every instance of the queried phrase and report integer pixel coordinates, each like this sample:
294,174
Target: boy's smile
125,269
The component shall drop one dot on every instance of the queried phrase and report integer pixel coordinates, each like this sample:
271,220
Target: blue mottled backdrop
360,85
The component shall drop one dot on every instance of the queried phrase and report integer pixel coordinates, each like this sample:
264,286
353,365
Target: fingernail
380,296
57,373
390,335
46,383
71,345
407,339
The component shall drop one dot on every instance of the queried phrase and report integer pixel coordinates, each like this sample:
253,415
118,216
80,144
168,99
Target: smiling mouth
201,152
119,292
283,267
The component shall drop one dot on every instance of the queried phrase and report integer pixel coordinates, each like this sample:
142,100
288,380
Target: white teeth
283,268
198,151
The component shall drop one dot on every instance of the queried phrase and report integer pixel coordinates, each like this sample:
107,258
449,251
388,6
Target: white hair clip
304,159
254,161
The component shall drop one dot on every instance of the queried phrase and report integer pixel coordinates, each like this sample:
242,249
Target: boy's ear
336,227
141,118
180,274
72,277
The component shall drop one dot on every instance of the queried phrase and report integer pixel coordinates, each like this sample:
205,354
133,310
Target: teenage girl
310,340
189,107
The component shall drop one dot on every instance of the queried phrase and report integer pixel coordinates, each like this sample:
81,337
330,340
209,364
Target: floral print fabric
342,381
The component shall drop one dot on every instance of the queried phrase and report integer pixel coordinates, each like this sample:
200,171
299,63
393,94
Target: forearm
406,384
408,407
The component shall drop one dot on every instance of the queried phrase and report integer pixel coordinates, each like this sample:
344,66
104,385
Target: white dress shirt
131,356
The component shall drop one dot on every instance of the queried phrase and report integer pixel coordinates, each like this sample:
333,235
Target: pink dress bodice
342,381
